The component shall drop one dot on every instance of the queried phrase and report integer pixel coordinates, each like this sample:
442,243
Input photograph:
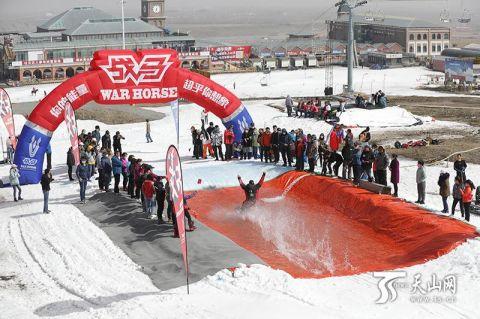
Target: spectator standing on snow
160,194
15,182
148,131
267,146
275,143
467,198
204,117
289,105
229,138
367,162
444,184
117,171
106,163
255,143
106,141
98,164
49,156
284,141
322,146
246,144
131,176
312,153
10,150
96,133
457,196
83,174
381,165
421,179
217,143
357,164
395,174
365,136
125,170
460,166
45,182
347,153
117,142
299,152
70,163
148,190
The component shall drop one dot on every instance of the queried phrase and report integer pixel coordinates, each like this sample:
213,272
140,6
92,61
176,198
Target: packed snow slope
310,82
313,226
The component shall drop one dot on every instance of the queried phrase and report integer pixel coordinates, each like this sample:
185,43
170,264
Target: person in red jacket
267,145
334,141
467,198
148,190
229,138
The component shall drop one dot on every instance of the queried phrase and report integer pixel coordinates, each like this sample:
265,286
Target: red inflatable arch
123,77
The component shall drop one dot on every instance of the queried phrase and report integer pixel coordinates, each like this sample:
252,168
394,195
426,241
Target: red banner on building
233,53
6,113
71,123
174,176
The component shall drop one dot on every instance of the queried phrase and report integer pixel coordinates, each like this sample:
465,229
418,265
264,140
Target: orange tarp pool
312,227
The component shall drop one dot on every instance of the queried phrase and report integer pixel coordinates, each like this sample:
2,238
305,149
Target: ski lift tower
350,5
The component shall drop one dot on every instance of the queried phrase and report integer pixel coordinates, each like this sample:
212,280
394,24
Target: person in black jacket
117,143
347,153
460,166
336,159
367,162
275,143
45,182
106,141
284,141
160,194
70,163
251,189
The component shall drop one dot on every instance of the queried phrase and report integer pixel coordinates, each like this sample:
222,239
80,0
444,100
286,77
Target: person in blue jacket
117,170
83,174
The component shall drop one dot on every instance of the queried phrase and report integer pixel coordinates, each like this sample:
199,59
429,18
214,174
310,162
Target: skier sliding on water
251,190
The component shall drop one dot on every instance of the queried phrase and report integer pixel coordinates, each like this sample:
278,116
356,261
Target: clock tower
153,12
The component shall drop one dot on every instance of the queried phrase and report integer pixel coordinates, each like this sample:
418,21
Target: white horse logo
34,146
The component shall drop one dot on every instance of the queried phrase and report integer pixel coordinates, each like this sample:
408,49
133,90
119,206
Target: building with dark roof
64,45
111,29
72,18
418,37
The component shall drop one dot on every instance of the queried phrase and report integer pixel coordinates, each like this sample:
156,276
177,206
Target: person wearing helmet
251,191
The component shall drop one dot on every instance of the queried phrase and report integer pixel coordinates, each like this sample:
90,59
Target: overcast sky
26,14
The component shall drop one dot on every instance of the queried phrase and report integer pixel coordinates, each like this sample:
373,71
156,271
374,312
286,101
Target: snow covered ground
65,266
310,82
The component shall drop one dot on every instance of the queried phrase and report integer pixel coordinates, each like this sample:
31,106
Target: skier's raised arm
260,182
241,182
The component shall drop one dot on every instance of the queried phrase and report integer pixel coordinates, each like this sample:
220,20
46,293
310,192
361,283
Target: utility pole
350,5
123,24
